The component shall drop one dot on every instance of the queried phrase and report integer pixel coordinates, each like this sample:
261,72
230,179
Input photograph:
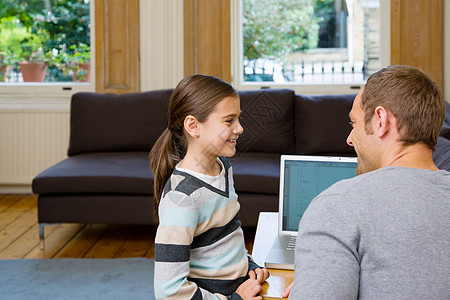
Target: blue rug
63,279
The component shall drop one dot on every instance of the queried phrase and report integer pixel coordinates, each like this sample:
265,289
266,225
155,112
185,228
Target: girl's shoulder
176,192
178,183
182,184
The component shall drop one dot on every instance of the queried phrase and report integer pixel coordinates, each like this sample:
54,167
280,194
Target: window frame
301,88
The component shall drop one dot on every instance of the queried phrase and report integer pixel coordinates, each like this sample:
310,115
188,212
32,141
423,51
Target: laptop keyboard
291,243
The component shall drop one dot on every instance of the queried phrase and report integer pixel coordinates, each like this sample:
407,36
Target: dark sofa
107,176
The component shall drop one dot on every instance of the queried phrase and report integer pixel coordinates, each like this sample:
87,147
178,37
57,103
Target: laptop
302,178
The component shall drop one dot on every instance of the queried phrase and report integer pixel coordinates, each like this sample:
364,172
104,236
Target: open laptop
302,178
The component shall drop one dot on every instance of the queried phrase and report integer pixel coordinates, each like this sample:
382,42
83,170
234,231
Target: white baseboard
15,189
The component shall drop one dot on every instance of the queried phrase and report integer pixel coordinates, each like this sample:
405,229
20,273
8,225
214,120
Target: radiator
30,142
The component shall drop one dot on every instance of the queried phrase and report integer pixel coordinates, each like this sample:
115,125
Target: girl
199,248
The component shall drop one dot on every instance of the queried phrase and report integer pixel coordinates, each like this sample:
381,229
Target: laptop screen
302,178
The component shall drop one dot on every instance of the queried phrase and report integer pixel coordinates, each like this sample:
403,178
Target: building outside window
44,41
300,43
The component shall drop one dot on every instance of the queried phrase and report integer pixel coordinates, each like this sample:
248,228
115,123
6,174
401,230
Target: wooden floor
19,235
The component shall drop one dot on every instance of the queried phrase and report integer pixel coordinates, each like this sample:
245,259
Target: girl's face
219,133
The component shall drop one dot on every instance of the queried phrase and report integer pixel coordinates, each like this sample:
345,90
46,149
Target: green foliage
10,40
39,29
21,10
327,5
21,44
68,61
81,53
67,24
32,49
6,56
273,29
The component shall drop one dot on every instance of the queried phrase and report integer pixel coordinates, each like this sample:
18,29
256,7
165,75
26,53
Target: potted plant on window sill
75,62
33,61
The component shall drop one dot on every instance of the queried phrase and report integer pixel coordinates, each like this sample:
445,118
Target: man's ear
191,126
382,121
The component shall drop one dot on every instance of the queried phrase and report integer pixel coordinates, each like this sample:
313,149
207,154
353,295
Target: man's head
404,93
412,97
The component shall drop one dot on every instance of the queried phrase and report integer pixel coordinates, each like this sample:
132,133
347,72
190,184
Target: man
384,234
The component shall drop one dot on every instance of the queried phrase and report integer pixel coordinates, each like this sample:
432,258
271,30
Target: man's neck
417,156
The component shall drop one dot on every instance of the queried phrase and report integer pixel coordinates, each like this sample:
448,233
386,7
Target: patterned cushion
268,121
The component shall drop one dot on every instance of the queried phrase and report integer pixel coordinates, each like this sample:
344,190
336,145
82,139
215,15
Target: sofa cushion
268,121
441,154
110,122
322,124
256,173
98,173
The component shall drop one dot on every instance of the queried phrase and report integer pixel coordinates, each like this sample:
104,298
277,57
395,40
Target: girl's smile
233,142
219,133
217,136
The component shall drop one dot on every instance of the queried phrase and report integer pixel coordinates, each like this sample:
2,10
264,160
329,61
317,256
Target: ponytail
167,152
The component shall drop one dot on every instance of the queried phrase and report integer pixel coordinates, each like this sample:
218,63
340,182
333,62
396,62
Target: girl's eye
229,121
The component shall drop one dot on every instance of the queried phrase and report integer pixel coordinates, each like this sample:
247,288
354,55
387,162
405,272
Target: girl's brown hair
195,95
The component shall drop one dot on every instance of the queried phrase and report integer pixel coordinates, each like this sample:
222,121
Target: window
308,45
51,37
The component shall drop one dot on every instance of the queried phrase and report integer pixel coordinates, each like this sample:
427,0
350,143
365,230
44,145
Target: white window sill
44,88
305,89
39,96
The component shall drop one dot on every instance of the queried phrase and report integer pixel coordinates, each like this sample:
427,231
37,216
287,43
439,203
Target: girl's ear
191,126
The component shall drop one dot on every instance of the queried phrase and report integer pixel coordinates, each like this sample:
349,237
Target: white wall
34,134
31,140
161,43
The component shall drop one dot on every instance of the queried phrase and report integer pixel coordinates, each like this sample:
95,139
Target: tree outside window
54,34
310,41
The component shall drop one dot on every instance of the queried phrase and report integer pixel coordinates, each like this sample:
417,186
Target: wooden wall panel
207,38
190,38
117,45
417,35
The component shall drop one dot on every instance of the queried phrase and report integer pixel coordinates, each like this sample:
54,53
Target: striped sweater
199,249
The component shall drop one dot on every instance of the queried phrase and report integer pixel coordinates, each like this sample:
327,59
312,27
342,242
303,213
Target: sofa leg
41,236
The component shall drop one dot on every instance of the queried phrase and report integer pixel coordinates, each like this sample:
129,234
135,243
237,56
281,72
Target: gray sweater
380,235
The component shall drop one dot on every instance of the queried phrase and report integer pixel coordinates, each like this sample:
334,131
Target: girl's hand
250,288
261,274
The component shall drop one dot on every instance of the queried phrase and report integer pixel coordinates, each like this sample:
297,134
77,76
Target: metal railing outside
305,71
